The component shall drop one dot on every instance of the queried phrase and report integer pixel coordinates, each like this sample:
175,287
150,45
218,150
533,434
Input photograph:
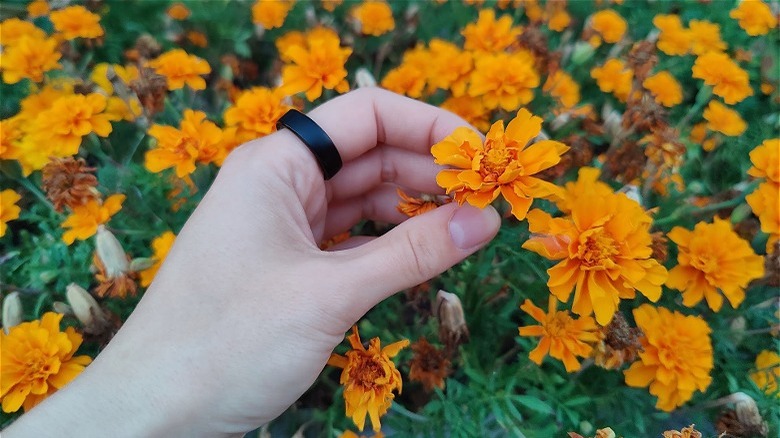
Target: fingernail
470,226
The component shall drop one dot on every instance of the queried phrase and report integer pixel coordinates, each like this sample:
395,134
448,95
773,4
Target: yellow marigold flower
504,164
180,68
723,119
290,39
330,5
72,117
33,104
11,135
197,140
271,13
179,11
713,258
563,88
677,356
29,58
610,25
490,35
559,20
13,29
405,79
664,88
375,17
766,160
754,16
685,432
100,75
504,80
767,375
38,360
160,245
470,109
705,37
563,337
256,112
38,8
614,77
728,80
674,39
76,22
8,209
765,203
321,65
369,378
83,223
449,67
587,183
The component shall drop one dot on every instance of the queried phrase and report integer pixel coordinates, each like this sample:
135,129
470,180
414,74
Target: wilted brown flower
619,343
580,154
659,247
411,206
642,59
453,330
625,163
151,90
534,40
68,182
686,432
146,47
644,114
430,366
772,266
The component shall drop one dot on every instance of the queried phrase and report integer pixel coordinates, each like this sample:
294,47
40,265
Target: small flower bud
86,309
12,311
62,308
111,253
142,263
453,330
582,52
364,78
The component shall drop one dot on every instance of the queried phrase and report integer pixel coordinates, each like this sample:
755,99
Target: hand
245,311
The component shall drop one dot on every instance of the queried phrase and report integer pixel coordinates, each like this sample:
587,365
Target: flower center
367,372
596,249
704,262
495,159
556,325
40,366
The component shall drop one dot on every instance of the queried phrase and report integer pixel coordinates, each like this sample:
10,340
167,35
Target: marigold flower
178,11
705,37
411,206
449,67
587,183
429,365
405,79
369,378
471,109
29,58
38,8
490,35
765,200
83,223
767,375
713,258
728,80
76,22
70,118
664,88
609,24
375,17
330,5
754,16
563,88
504,164
69,182
319,66
563,337
766,160
674,39
11,134
271,13
180,68
38,360
198,139
685,432
100,75
677,357
256,112
13,29
8,209
613,77
504,80
723,119
160,247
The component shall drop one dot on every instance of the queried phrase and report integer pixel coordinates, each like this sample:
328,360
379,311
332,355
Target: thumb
420,248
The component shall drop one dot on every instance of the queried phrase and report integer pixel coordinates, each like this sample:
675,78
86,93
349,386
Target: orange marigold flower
369,378
405,79
320,65
664,88
76,22
563,337
449,67
70,118
198,140
713,258
767,373
83,223
587,183
374,17
490,35
160,246
504,80
29,58
38,360
724,119
13,29
765,200
100,75
290,39
471,109
685,432
330,5
411,206
38,8
754,16
677,356
179,11
256,112
8,209
11,135
614,77
559,20
504,164
728,80
180,68
429,365
563,88
766,160
674,39
609,24
705,37
271,13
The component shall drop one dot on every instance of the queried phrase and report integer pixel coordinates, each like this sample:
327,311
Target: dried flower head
619,343
429,366
69,182
151,89
453,330
685,432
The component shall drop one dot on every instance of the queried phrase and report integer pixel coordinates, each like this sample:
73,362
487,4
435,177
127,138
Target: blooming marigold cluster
765,200
8,209
76,22
317,66
197,140
503,165
490,35
271,13
38,360
754,16
767,375
374,17
677,356
69,119
369,378
181,68
728,80
85,219
604,245
614,77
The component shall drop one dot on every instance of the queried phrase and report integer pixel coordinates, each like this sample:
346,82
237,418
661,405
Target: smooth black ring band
315,138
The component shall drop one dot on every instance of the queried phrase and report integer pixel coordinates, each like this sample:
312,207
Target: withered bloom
619,343
453,330
642,59
68,182
151,89
430,366
412,206
114,275
146,47
659,246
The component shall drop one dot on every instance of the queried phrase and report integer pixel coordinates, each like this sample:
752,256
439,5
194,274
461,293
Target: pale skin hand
246,310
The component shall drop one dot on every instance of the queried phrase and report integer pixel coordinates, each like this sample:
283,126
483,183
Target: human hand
246,310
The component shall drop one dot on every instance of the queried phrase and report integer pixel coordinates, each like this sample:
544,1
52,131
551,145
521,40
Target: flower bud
453,330
582,52
142,263
62,308
111,253
364,78
12,311
86,309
